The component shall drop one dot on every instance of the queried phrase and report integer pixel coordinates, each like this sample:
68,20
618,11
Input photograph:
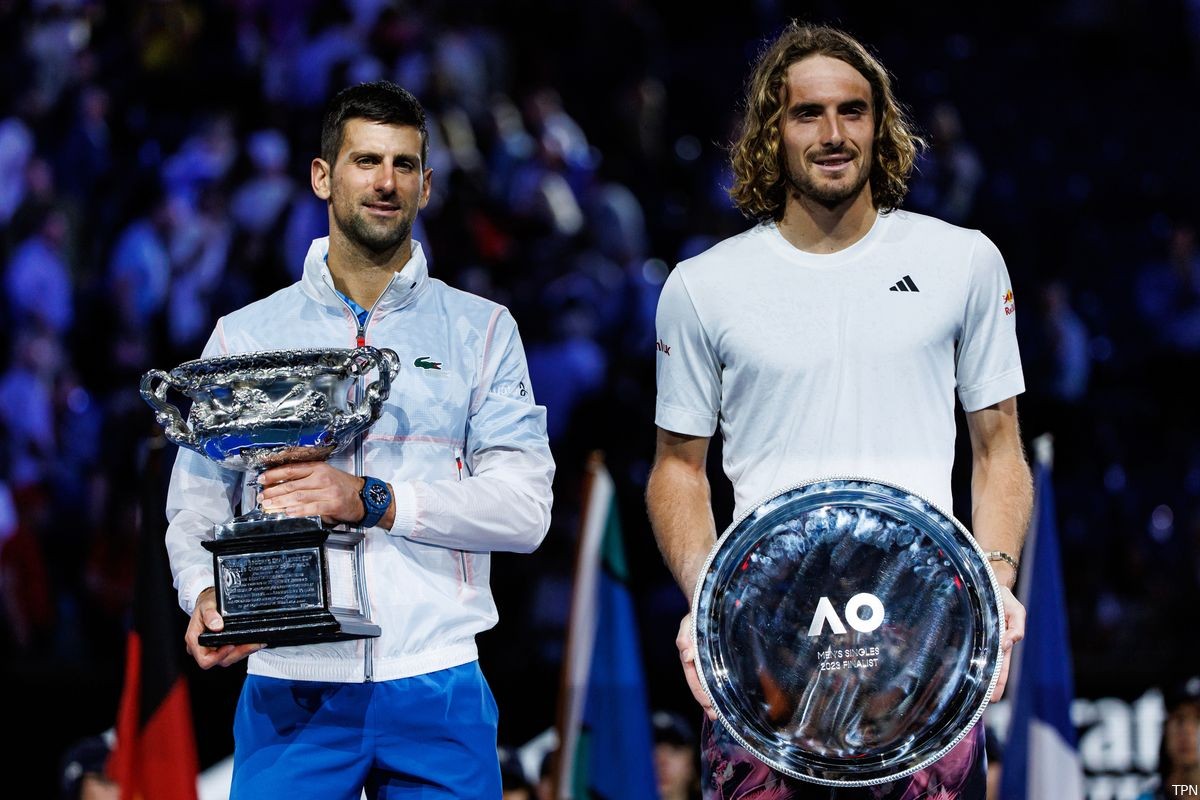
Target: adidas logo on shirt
905,284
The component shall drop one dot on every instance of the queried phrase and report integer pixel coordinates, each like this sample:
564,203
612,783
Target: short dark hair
378,101
672,728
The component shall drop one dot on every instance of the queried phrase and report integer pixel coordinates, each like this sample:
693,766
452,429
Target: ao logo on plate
825,613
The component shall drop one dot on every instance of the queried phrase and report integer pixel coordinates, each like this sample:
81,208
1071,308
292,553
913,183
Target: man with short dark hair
457,465
829,340
676,757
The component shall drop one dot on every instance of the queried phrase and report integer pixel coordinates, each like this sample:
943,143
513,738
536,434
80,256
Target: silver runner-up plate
847,631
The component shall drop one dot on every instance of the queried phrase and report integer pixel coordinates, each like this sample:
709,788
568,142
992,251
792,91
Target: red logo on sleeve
1010,307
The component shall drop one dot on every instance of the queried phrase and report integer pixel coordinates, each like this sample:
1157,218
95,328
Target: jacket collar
405,287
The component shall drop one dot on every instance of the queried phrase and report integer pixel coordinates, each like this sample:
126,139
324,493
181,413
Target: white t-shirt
841,364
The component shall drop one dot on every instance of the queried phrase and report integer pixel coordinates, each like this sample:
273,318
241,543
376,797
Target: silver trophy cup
847,631
279,580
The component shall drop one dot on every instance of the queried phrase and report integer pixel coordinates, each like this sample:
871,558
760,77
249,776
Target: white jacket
463,445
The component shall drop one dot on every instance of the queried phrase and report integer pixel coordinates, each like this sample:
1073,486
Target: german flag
155,756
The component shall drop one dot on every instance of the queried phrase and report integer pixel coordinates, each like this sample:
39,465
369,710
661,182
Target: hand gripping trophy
279,580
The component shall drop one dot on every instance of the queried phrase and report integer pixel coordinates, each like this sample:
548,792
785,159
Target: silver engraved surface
255,583
258,410
847,631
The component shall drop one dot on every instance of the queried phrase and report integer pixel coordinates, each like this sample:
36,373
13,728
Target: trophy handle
360,362
377,392
166,413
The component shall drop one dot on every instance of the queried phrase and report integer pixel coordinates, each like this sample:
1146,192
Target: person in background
81,771
1179,754
676,760
514,784
544,789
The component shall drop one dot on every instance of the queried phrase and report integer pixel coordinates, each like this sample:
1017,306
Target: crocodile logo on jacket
424,363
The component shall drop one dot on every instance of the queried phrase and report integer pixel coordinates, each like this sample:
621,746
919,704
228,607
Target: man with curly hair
830,339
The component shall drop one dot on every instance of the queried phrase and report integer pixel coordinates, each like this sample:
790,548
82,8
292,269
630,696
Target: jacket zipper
360,338
462,556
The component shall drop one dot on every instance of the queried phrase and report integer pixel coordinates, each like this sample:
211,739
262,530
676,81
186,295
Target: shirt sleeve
503,502
202,494
987,361
688,369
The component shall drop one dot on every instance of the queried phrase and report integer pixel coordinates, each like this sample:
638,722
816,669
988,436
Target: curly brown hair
760,174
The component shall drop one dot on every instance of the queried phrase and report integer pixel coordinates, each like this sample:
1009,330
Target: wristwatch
376,498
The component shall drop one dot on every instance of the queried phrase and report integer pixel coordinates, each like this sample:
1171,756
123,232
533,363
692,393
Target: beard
376,236
830,194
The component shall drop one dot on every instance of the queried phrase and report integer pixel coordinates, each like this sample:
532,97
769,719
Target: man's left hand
1014,631
312,488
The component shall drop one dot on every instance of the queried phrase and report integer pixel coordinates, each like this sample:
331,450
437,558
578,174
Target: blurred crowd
155,158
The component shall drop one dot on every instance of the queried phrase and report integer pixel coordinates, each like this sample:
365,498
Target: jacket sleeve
504,501
201,495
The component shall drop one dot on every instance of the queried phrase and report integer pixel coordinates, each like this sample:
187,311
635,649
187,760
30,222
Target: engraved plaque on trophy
279,580
847,631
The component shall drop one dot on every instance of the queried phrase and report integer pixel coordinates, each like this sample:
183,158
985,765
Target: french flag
1041,757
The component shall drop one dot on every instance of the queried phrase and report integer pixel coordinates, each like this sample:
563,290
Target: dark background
578,150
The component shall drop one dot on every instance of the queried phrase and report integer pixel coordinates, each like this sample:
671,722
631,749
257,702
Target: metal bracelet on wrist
1000,555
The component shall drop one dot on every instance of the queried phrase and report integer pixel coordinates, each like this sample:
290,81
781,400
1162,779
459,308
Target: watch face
378,496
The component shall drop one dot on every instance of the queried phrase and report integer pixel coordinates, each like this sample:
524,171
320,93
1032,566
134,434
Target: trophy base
288,581
290,629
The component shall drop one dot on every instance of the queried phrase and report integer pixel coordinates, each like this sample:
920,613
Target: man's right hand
205,618
687,654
